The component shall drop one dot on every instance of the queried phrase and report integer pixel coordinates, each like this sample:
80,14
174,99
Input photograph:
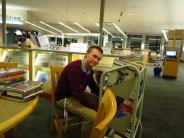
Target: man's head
93,56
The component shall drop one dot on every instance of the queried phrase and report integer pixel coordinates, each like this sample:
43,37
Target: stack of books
22,91
11,75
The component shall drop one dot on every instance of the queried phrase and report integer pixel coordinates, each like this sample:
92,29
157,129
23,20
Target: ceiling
132,16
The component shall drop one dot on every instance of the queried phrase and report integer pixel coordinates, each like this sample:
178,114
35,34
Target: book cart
127,81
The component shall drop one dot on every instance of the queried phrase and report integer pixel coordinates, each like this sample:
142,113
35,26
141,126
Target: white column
143,42
105,39
63,39
80,39
124,42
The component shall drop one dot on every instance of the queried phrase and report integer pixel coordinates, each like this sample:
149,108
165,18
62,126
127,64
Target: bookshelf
37,61
22,57
42,60
129,84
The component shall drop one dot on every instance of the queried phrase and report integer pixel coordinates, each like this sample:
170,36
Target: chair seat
71,117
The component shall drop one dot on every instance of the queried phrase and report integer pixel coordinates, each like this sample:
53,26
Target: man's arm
93,85
76,85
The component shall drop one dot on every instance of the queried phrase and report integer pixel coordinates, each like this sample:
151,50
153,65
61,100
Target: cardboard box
179,34
171,34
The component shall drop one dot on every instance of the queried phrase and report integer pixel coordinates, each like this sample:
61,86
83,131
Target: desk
12,113
171,66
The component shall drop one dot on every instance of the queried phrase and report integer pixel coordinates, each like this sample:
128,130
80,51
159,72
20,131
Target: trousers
87,115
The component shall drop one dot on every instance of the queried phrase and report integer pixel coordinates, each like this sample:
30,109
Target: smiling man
72,85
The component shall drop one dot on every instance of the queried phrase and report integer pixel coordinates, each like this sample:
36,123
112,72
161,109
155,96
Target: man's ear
85,55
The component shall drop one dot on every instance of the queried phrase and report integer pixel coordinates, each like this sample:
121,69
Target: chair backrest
105,114
55,73
4,65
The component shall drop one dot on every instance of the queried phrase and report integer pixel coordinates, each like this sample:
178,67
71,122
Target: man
73,83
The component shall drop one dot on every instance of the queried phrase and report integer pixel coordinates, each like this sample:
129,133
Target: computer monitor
34,40
170,53
43,41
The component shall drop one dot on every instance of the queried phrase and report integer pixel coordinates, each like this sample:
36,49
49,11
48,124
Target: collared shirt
83,67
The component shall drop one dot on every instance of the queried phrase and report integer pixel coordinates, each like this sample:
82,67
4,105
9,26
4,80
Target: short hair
94,47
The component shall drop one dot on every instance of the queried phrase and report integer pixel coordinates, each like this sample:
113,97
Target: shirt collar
83,67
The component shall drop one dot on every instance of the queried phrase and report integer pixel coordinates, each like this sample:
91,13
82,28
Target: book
58,59
24,86
42,77
9,82
106,62
10,72
12,77
21,99
17,94
43,59
20,57
22,91
124,107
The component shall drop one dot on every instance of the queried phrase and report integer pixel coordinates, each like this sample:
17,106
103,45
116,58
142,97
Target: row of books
13,85
11,75
124,107
22,91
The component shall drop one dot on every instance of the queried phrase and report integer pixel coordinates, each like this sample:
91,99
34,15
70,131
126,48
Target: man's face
93,58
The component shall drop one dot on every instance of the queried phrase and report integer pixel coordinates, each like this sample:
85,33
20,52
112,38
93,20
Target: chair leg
57,126
60,128
2,135
52,125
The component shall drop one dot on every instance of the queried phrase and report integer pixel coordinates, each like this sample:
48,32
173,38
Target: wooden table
12,113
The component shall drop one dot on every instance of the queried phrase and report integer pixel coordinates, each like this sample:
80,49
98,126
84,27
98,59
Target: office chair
105,114
4,65
60,118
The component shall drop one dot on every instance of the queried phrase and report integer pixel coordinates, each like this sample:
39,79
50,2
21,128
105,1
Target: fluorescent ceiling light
40,27
119,30
165,34
68,27
82,34
82,27
12,22
97,24
136,38
108,32
50,26
15,7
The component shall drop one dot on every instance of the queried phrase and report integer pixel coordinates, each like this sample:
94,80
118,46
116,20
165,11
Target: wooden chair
58,120
4,65
105,114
